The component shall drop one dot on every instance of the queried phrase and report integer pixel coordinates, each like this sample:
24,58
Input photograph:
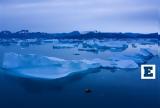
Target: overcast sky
82,15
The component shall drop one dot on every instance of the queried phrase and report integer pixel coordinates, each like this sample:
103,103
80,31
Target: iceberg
63,46
140,57
95,46
113,63
32,65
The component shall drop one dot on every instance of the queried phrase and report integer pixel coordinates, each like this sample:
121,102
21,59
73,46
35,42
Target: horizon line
81,32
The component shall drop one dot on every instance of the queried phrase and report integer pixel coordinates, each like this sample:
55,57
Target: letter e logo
148,71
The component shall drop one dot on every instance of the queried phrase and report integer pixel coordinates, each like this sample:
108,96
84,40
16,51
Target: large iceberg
43,67
31,65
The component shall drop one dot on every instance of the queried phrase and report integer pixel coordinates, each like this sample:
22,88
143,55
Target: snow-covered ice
43,67
96,46
31,65
62,46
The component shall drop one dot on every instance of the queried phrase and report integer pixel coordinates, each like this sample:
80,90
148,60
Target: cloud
68,15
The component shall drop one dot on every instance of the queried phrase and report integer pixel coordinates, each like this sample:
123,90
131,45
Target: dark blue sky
83,15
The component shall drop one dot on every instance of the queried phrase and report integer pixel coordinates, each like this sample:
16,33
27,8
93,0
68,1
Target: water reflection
38,85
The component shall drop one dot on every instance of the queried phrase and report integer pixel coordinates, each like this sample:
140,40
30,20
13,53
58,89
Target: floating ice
95,50
51,41
31,65
43,67
140,57
95,46
117,63
62,46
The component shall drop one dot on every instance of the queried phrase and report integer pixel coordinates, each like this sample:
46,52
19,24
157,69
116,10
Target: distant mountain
74,35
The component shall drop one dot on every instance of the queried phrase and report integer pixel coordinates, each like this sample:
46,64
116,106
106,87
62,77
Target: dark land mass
25,34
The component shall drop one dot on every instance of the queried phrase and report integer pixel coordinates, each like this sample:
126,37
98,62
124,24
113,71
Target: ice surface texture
97,46
43,67
31,65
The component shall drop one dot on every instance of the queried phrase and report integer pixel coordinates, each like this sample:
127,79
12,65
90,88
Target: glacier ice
31,65
96,46
62,46
43,67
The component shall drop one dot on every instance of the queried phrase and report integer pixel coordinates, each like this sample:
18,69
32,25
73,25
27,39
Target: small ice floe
97,46
140,56
119,63
50,41
63,46
95,50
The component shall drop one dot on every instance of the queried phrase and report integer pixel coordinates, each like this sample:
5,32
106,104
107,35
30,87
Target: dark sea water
109,88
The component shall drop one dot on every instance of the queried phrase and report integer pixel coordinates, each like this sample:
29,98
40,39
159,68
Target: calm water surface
110,88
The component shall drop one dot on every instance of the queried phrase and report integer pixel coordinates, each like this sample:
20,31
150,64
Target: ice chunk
140,57
51,41
31,65
62,46
43,67
91,45
95,50
116,63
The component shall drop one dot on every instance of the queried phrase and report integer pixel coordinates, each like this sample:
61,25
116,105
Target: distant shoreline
25,34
